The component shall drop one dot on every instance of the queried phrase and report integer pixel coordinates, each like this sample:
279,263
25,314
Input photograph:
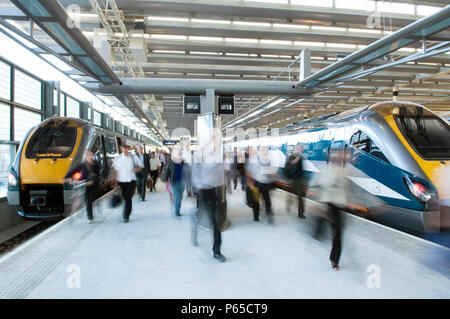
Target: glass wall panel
62,102
97,118
27,90
73,107
5,81
23,121
5,122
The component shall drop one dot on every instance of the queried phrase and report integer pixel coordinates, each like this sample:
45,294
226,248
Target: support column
49,105
212,122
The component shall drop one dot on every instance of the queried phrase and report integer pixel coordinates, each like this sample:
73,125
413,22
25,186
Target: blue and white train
397,159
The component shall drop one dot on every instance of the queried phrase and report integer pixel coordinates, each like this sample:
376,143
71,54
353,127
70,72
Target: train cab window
425,132
363,142
52,142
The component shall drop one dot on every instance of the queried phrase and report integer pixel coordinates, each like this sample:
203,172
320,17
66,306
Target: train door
99,154
119,143
105,164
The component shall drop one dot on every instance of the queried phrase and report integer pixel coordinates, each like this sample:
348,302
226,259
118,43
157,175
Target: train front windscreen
52,142
427,133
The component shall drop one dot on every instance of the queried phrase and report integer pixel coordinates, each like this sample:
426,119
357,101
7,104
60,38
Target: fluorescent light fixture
279,42
323,28
152,18
210,21
168,37
256,112
269,1
237,54
197,38
254,24
275,103
290,26
309,44
144,120
204,53
168,51
82,15
241,40
57,62
341,45
354,30
315,3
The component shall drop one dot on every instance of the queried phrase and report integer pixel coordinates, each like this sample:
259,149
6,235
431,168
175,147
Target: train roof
382,108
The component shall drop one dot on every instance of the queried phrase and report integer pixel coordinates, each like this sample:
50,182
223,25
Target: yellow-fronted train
37,183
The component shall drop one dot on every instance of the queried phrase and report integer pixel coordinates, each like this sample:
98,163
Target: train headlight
12,180
419,190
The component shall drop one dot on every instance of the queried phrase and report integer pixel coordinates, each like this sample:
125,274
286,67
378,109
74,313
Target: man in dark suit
294,171
142,175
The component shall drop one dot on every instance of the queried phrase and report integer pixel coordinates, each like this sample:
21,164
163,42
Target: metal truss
112,20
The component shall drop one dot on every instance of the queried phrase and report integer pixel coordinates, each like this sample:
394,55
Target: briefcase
149,183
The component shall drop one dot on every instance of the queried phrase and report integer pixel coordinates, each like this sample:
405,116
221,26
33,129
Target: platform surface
152,257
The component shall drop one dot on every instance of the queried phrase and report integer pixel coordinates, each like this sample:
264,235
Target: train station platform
152,257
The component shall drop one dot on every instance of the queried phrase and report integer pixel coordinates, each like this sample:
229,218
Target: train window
363,142
96,147
425,132
354,138
111,146
52,142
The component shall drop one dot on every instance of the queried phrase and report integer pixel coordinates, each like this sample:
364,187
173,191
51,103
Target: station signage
191,104
226,104
169,142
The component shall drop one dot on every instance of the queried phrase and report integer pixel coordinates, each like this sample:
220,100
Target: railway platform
152,257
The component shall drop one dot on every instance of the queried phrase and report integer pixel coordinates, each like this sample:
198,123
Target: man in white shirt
125,168
162,158
141,175
155,165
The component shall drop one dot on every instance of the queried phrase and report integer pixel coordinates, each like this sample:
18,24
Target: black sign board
169,142
191,104
226,104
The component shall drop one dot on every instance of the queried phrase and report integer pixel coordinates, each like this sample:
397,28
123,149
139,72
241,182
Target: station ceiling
258,40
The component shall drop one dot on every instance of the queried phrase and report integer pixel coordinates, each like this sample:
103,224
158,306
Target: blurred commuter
142,174
294,171
208,178
162,158
174,175
187,167
229,173
333,194
125,168
239,167
260,173
89,171
155,168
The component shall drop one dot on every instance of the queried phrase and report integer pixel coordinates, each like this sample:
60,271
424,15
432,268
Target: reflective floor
152,257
